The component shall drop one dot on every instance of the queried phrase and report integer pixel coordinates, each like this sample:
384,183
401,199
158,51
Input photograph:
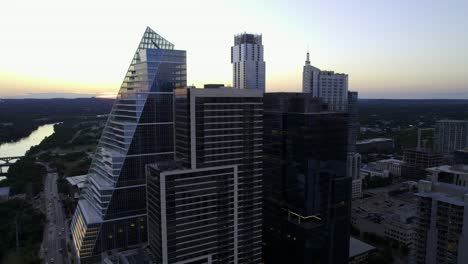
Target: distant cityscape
177,174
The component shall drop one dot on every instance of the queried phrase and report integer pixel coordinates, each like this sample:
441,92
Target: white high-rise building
442,216
451,135
354,165
330,86
247,62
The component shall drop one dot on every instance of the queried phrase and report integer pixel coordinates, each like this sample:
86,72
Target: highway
54,245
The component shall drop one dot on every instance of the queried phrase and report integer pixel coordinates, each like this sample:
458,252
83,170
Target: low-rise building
76,183
392,165
375,145
400,227
359,251
385,215
369,170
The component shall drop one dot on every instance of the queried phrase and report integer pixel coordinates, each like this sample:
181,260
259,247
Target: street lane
54,242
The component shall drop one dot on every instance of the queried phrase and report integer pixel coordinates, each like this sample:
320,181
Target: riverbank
20,117
21,215
20,147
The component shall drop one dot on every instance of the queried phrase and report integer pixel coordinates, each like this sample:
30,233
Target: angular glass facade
111,212
307,195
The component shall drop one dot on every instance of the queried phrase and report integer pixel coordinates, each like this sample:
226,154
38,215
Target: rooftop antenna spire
308,59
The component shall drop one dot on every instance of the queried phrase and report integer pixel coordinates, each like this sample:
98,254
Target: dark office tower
353,125
354,158
307,194
206,207
417,160
111,212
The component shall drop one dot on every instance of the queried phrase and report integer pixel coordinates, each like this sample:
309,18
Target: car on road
60,249
51,260
60,233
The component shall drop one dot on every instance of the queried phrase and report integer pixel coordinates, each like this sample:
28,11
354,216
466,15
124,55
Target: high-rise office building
442,223
206,207
353,165
353,170
451,135
330,86
307,191
354,158
111,212
247,61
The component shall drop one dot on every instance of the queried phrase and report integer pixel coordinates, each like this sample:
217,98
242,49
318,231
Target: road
54,245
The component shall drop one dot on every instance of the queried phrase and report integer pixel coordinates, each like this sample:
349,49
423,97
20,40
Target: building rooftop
373,140
212,85
394,161
452,121
357,247
77,181
293,102
422,150
135,256
445,197
333,73
455,169
89,212
5,191
397,207
247,38
222,91
371,167
169,165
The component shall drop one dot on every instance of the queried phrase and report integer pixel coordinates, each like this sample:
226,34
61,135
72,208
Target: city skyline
389,50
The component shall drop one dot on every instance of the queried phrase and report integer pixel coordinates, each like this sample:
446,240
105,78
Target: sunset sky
390,49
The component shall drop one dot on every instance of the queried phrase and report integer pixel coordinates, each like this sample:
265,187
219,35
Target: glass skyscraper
111,212
307,194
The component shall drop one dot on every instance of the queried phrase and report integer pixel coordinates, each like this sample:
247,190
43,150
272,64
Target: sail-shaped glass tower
111,212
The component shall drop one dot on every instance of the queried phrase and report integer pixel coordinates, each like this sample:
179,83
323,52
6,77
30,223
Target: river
19,148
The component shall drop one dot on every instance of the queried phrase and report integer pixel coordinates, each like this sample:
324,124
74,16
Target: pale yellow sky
389,49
